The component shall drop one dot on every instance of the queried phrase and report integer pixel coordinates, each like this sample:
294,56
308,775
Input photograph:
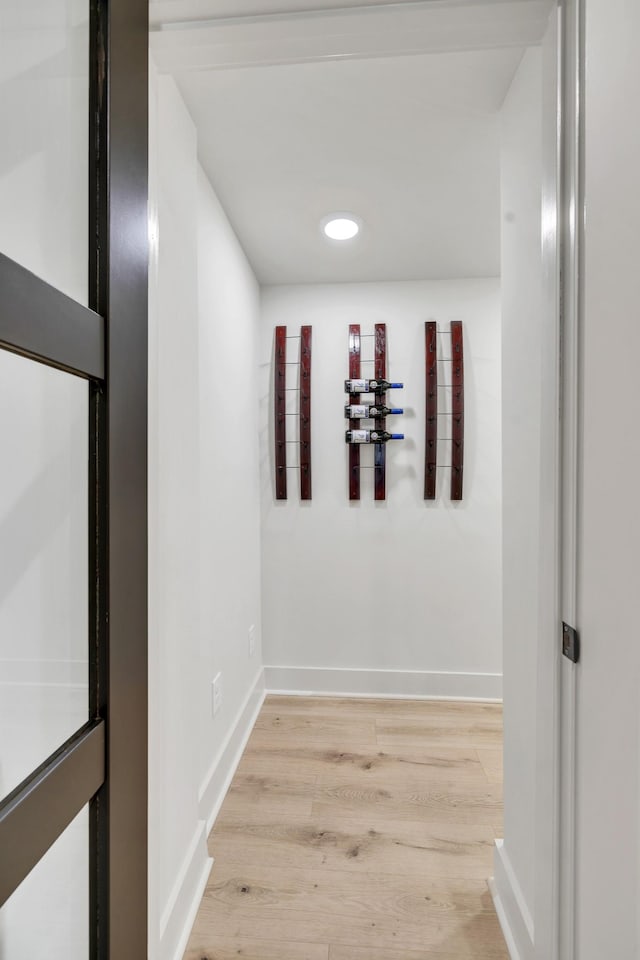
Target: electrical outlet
216,694
252,640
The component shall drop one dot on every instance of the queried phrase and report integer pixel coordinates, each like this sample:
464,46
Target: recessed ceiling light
342,226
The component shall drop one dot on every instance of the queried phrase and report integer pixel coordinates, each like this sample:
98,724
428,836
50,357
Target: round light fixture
340,226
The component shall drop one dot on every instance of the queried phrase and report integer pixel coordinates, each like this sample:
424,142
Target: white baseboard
181,908
513,913
180,912
392,684
218,780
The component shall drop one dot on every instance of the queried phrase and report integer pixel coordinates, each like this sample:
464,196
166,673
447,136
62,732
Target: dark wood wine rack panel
305,413
280,412
457,409
354,374
380,449
431,406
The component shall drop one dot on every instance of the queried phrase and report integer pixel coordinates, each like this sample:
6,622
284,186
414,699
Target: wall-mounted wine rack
377,410
354,374
280,412
432,416
457,410
303,414
380,449
431,409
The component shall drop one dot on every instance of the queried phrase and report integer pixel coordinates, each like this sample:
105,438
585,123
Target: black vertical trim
98,657
98,476
118,473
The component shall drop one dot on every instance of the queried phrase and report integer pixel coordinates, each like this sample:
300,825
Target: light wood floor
358,830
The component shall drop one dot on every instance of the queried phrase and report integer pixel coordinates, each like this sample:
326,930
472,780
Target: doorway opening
432,127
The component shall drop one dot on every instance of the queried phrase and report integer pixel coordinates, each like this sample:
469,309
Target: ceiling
298,118
410,145
164,10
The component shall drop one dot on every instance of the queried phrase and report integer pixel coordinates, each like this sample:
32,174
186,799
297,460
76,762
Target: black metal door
103,764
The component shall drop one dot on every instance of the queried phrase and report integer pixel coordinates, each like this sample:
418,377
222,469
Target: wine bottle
364,411
370,386
371,436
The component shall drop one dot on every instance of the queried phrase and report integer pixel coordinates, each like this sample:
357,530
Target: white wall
608,676
204,513
173,511
404,585
521,185
229,522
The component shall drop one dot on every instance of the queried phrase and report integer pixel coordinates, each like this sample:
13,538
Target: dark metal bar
457,447
279,402
34,815
305,413
98,661
118,509
41,323
354,374
431,405
98,473
380,449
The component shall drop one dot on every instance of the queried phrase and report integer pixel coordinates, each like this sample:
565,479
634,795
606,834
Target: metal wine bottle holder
303,414
354,374
432,416
457,410
379,373
380,449
431,410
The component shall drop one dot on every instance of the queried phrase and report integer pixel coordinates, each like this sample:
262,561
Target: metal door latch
570,643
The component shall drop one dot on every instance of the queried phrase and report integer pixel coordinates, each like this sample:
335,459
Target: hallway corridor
358,830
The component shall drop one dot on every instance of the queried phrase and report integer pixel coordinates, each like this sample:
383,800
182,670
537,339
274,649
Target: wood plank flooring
358,830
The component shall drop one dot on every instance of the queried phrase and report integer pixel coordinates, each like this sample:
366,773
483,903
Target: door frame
572,210
105,762
118,271
563,232
406,29
546,907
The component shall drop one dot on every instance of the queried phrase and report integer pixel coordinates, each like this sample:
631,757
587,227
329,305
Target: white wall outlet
252,640
216,694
